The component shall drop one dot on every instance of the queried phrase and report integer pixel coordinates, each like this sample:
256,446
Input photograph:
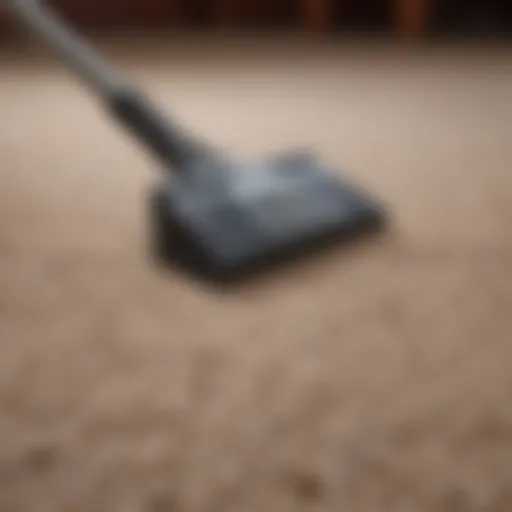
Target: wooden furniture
411,17
318,14
228,13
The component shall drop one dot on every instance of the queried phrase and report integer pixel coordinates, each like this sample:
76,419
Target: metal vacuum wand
129,106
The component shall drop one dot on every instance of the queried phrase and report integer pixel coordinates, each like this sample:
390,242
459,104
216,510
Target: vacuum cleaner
212,216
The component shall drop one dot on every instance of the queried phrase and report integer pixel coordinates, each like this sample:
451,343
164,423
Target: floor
369,378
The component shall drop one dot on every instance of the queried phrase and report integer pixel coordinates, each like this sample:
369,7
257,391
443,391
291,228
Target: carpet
374,377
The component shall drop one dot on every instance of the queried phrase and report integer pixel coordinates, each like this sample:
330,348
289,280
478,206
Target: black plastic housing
223,224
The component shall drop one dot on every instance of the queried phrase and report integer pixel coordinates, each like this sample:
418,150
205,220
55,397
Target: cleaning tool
212,215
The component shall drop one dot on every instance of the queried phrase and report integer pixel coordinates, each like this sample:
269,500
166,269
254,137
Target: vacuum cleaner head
225,221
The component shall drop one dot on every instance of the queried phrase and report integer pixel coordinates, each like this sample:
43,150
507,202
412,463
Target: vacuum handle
127,105
68,44
166,140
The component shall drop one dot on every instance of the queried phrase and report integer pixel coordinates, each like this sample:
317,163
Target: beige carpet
375,378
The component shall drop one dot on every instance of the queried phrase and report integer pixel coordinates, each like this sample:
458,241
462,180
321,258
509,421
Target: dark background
448,16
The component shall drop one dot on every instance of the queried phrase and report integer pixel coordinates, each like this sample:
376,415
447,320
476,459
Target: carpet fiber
370,378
